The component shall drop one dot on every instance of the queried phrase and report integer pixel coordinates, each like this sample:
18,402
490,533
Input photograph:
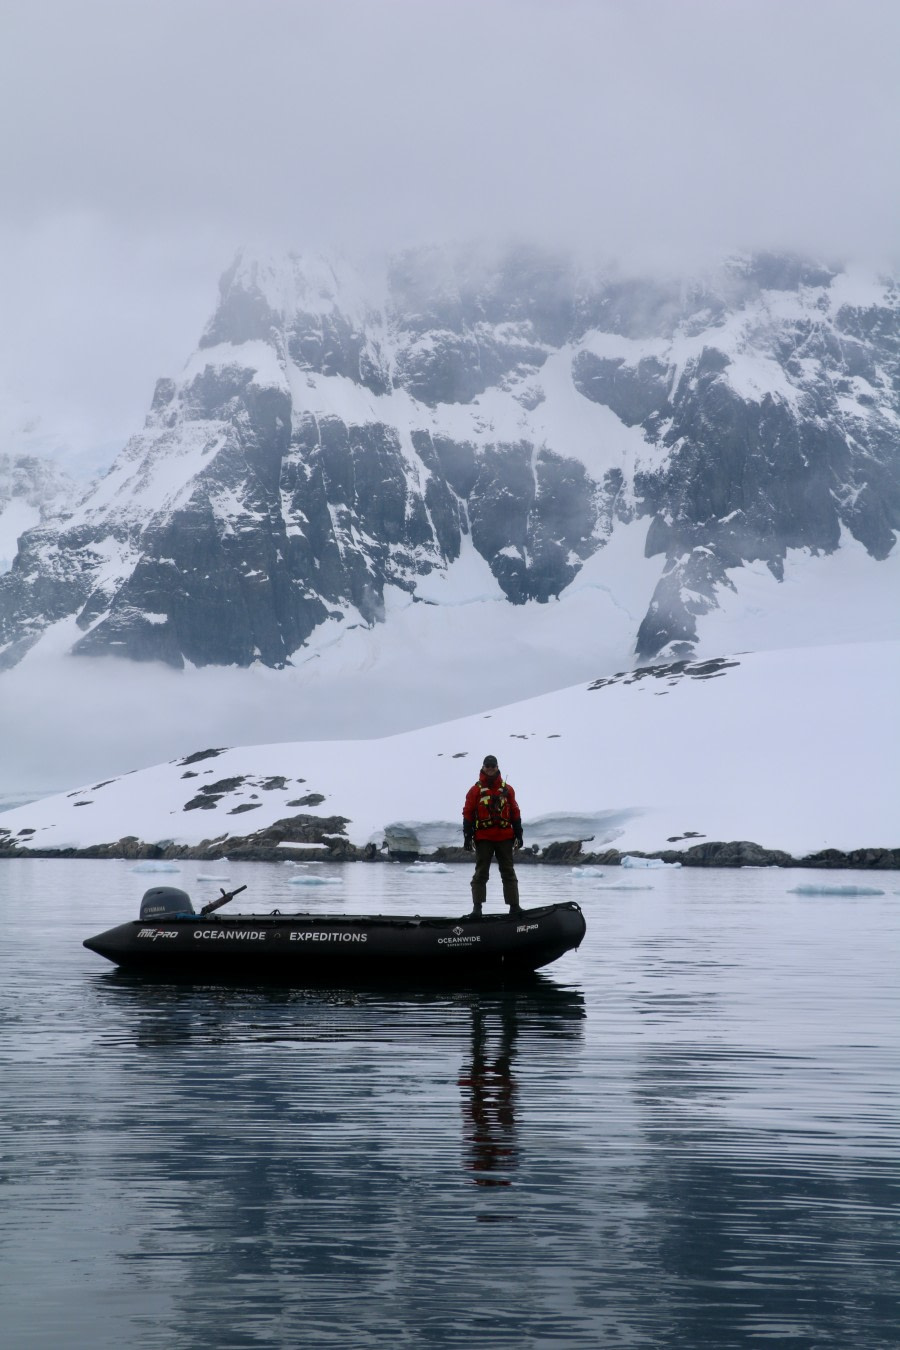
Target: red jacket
491,809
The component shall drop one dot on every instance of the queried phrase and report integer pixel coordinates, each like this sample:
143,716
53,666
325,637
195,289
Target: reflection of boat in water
169,937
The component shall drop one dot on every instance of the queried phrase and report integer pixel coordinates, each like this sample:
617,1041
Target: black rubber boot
511,895
479,894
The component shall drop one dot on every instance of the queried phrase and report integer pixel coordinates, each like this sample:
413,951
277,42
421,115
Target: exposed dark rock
735,854
451,855
882,859
610,857
569,851
223,785
201,804
634,393
670,671
293,516
315,831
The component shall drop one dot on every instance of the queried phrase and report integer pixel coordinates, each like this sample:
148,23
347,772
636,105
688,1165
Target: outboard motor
165,902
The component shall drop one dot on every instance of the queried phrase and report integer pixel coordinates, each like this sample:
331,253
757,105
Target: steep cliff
337,436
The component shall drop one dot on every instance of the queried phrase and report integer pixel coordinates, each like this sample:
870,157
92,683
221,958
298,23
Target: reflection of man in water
488,1102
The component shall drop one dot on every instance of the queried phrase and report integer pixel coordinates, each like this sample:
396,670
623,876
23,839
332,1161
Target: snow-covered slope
796,750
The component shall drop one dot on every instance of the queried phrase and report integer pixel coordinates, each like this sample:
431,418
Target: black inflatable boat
169,937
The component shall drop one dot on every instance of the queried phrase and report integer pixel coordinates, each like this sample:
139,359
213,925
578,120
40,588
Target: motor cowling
165,902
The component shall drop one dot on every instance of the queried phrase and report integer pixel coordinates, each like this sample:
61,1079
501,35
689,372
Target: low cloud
626,123
147,142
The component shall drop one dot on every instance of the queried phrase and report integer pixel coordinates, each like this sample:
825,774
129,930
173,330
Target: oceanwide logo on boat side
212,933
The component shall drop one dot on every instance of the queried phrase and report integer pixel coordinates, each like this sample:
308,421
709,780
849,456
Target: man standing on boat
492,827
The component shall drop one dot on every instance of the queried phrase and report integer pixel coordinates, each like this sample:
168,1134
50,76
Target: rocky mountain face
32,489
335,436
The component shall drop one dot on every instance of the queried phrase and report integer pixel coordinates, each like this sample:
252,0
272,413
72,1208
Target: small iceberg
629,861
203,876
155,867
315,881
427,867
814,889
587,872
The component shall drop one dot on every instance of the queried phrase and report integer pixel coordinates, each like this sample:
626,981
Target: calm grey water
685,1135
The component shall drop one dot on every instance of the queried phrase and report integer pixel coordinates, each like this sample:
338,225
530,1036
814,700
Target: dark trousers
485,852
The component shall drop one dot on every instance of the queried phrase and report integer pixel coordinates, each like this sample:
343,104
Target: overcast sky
145,140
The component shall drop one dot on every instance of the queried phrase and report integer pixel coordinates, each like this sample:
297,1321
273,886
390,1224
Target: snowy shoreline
797,749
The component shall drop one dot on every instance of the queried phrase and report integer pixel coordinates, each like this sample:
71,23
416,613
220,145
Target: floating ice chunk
586,872
315,881
816,889
624,886
155,867
629,861
203,876
428,867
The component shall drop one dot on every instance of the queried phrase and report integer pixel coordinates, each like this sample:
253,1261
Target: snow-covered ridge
343,435
794,750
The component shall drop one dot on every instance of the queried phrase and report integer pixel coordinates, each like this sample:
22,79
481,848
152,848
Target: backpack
492,808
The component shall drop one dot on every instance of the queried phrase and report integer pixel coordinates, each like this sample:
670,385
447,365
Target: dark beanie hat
490,762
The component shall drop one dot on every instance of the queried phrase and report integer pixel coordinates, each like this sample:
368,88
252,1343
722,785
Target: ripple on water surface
683,1135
